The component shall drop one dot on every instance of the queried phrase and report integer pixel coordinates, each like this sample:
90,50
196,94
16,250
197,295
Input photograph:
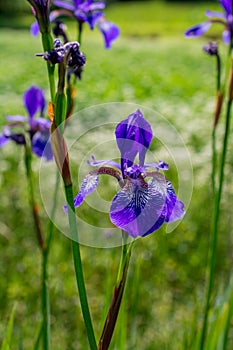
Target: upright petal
109,30
34,101
198,30
133,135
227,5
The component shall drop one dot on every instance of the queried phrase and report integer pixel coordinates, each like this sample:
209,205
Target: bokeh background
154,65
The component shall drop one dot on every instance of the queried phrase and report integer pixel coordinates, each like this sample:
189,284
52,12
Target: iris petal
109,30
64,4
227,5
133,135
34,101
41,145
215,14
138,208
89,184
3,140
198,30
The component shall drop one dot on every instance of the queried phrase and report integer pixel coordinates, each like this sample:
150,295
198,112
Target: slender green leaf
6,345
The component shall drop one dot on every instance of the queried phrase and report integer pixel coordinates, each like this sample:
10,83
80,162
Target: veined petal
89,184
198,30
133,135
109,30
139,208
34,101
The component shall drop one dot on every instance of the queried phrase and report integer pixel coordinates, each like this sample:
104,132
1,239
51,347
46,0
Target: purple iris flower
224,18
141,206
88,11
38,128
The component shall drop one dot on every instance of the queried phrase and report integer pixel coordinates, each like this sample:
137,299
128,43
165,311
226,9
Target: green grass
152,64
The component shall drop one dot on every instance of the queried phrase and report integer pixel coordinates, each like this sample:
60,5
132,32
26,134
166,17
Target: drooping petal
35,29
3,140
175,208
226,36
198,30
41,145
89,184
139,208
90,17
34,101
109,30
133,135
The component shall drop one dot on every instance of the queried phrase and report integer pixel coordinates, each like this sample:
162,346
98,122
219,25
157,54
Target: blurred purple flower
140,207
224,18
38,128
89,11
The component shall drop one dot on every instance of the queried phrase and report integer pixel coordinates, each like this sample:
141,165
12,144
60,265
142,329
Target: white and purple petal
198,29
139,208
89,184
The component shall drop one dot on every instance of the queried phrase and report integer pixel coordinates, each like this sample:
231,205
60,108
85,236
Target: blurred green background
151,64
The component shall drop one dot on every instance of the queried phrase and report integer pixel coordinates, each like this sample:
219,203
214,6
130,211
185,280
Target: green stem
114,308
47,43
216,215
123,255
78,267
43,248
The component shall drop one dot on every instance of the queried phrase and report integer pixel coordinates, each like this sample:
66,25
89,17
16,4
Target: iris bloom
224,19
146,199
38,128
90,12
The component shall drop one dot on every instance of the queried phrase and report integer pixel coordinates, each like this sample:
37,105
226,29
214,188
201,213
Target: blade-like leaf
6,345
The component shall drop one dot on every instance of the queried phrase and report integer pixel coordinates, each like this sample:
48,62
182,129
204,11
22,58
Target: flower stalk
217,194
114,308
